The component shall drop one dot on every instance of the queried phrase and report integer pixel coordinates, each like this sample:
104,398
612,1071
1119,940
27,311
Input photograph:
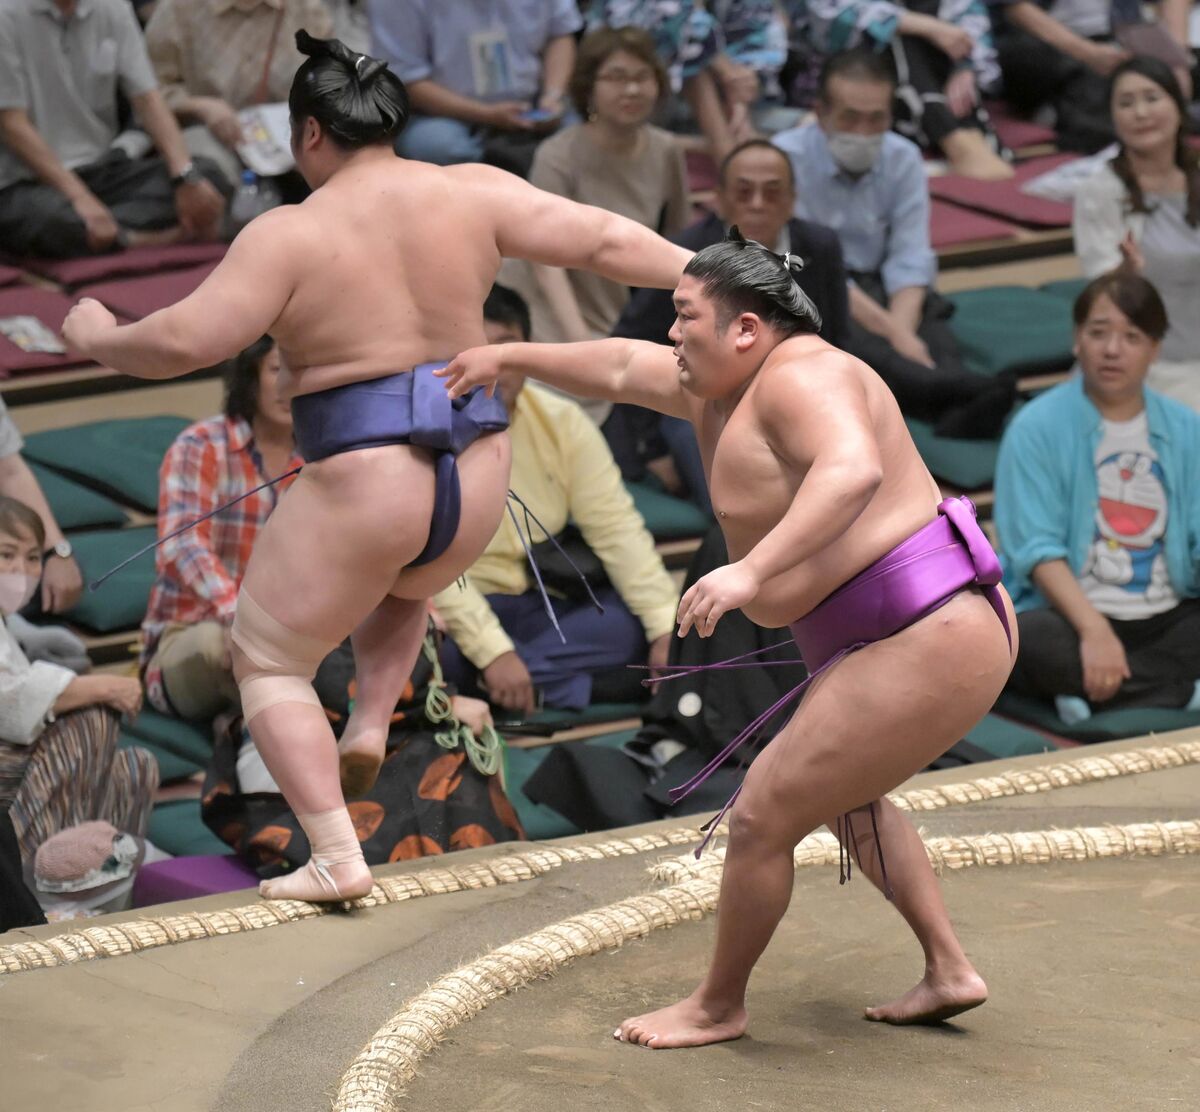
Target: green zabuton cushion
1012,328
120,458
119,603
667,517
75,506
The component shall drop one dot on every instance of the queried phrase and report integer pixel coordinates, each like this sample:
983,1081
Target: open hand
509,684
98,221
199,207
474,367
62,584
951,40
714,594
86,320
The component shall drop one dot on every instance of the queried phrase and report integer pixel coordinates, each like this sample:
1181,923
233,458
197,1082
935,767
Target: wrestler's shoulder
808,362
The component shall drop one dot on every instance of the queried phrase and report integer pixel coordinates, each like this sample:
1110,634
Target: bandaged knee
284,662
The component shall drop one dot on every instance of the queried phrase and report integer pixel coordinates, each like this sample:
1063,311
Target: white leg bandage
284,661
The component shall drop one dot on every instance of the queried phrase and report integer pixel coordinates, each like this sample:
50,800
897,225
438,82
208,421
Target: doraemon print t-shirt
1125,575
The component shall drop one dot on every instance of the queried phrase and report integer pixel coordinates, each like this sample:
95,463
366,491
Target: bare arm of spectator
1102,655
1174,15
1103,58
62,581
19,135
198,204
558,60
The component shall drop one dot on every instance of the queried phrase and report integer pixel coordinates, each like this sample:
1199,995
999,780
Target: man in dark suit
756,191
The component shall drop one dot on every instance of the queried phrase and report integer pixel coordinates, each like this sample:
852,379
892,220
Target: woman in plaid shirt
186,647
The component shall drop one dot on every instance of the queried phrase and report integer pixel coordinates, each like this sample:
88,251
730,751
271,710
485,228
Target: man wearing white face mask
856,176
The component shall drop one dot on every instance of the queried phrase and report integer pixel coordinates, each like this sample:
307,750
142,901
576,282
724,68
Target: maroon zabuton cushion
951,225
1004,199
132,262
50,307
9,275
1014,131
139,297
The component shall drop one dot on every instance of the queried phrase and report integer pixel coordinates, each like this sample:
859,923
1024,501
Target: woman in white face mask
59,762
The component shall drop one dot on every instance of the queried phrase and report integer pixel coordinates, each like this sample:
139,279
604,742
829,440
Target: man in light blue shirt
476,65
1098,515
856,176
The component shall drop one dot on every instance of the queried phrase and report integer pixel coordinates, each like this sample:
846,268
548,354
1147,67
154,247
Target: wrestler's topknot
743,276
353,96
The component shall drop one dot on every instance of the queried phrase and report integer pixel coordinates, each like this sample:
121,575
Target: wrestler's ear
312,133
749,328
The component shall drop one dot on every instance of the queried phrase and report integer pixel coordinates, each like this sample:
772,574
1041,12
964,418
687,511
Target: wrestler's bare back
746,454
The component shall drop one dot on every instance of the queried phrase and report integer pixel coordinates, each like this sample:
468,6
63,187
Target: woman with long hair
1141,211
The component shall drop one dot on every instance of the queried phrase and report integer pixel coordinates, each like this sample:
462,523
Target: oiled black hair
742,276
353,96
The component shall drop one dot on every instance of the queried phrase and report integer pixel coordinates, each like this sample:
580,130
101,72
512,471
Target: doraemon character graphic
1131,518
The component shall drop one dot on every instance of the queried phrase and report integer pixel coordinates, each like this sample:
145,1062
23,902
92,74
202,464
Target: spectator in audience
216,57
1098,514
477,73
186,633
428,799
725,58
1142,211
756,190
868,184
62,581
614,160
496,625
1061,53
66,188
59,762
943,62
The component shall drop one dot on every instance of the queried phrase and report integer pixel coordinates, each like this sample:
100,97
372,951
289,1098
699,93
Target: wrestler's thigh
879,716
331,549
483,472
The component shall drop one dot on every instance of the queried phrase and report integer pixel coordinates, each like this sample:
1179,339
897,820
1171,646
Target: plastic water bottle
253,197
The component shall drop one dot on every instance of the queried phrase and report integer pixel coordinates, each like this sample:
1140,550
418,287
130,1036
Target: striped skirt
75,773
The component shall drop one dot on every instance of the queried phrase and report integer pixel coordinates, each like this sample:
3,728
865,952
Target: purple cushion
184,878
139,297
131,262
50,307
1004,198
9,275
950,225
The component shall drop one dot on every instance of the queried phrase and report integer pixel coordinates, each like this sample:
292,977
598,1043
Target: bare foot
318,883
360,754
969,154
933,1000
683,1024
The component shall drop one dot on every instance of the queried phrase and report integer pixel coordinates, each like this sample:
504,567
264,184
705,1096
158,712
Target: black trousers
922,112
957,402
39,221
1036,74
1163,653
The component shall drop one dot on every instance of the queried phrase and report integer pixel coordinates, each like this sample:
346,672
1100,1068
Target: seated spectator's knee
273,664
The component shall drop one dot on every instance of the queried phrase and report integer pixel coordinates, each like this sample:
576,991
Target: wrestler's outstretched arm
234,306
815,418
546,228
616,370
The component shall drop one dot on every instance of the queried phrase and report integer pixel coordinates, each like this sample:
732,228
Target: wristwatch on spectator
62,550
189,175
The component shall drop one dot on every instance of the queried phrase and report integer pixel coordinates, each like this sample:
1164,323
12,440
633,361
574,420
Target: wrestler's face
1114,354
625,91
756,193
1145,116
711,351
271,406
508,385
